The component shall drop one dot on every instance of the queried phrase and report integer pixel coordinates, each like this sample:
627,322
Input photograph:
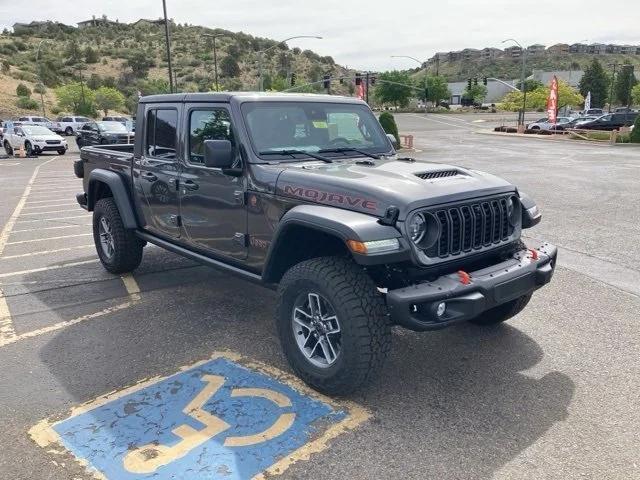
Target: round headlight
417,228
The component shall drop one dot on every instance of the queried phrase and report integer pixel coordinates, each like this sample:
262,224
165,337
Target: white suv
69,125
33,120
35,139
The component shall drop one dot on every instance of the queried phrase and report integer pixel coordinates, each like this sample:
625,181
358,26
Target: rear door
211,203
156,171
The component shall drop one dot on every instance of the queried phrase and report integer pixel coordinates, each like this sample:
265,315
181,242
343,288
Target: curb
552,138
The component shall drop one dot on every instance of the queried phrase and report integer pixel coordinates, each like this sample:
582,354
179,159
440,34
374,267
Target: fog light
442,307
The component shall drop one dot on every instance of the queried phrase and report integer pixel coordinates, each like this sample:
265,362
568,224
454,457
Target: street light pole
522,79
44,113
613,80
425,74
262,52
168,42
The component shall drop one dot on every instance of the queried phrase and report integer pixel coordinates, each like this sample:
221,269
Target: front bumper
47,147
415,307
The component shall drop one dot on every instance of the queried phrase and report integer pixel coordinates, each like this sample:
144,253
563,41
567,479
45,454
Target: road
552,394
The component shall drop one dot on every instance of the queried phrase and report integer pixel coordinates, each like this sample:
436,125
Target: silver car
545,124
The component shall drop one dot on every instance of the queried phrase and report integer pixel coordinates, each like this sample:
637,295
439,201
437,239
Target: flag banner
587,102
552,101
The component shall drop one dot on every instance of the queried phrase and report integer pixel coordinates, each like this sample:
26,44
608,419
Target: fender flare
120,195
531,215
342,224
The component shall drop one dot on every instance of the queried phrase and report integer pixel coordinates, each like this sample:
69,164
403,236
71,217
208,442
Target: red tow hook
534,254
465,278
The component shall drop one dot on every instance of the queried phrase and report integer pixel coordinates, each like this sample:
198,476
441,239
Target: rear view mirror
218,153
393,140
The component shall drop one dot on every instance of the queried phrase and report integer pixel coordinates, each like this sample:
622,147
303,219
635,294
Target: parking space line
47,201
50,267
51,205
45,252
7,331
75,225
50,211
19,242
51,219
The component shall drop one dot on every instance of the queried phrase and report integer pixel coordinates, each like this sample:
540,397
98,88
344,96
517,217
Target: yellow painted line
50,211
68,323
130,284
51,219
275,397
45,252
45,436
45,269
51,205
19,242
75,225
7,331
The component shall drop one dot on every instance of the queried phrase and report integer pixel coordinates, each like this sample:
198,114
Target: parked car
545,124
574,123
103,133
35,139
307,194
624,110
36,120
6,126
69,124
593,111
611,121
122,120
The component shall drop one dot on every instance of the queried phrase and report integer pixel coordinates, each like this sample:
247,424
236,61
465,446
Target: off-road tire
365,328
127,253
503,312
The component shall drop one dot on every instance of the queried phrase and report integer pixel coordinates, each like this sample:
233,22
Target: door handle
149,177
190,185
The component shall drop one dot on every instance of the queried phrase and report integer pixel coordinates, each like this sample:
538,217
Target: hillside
510,68
132,58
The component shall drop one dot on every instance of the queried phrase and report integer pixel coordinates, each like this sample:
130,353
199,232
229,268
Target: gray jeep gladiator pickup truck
306,194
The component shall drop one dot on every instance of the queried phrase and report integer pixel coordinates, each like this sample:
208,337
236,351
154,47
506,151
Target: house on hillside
470,54
597,49
579,48
453,56
536,49
98,22
559,49
513,51
490,53
35,26
150,22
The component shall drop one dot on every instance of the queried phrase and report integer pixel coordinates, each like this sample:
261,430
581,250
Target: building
495,91
33,27
513,51
490,53
572,77
98,22
536,49
470,54
597,49
149,22
579,48
559,49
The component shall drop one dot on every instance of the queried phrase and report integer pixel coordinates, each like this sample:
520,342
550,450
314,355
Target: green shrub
23,91
27,103
635,133
388,124
39,88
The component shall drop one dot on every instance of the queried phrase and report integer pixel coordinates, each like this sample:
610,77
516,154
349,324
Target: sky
364,35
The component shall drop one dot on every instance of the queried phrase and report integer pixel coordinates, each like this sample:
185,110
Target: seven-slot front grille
472,226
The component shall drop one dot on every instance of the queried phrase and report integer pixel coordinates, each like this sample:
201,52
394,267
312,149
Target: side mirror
393,141
218,153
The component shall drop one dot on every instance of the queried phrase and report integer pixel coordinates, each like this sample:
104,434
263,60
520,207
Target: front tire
120,251
68,131
62,151
503,312
347,335
8,149
28,148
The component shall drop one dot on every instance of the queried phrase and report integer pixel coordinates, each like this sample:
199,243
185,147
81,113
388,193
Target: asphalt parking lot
552,394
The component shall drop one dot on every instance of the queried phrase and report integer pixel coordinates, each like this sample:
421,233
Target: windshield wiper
296,152
349,149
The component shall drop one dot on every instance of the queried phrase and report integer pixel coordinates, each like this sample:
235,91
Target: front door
156,172
211,203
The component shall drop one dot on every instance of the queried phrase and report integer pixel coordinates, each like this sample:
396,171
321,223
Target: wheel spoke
332,324
326,351
330,345
314,304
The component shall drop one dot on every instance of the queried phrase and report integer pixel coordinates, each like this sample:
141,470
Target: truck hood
372,189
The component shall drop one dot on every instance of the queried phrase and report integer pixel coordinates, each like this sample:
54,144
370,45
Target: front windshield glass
112,127
313,127
36,130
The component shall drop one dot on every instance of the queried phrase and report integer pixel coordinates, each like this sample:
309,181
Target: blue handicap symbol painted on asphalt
216,420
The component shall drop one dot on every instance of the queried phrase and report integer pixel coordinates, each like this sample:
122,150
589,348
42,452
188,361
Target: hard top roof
246,97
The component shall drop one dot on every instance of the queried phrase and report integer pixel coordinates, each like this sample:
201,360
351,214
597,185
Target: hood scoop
437,174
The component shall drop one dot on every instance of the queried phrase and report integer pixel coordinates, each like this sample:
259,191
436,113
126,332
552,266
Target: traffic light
358,78
293,79
326,81
469,84
485,81
373,80
475,81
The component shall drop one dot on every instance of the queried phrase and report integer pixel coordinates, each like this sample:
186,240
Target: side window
161,133
214,124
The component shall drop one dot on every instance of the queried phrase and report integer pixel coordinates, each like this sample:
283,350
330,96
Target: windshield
112,127
312,127
36,130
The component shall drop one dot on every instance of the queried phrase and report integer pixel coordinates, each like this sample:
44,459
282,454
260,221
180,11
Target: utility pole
613,80
44,113
366,93
215,55
168,42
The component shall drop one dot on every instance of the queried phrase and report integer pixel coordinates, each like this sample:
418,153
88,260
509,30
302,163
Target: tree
94,82
107,98
635,95
635,133
39,88
72,52
537,100
437,89
388,124
595,80
71,98
229,67
476,93
139,63
90,55
530,85
27,103
394,87
6,66
23,91
625,81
